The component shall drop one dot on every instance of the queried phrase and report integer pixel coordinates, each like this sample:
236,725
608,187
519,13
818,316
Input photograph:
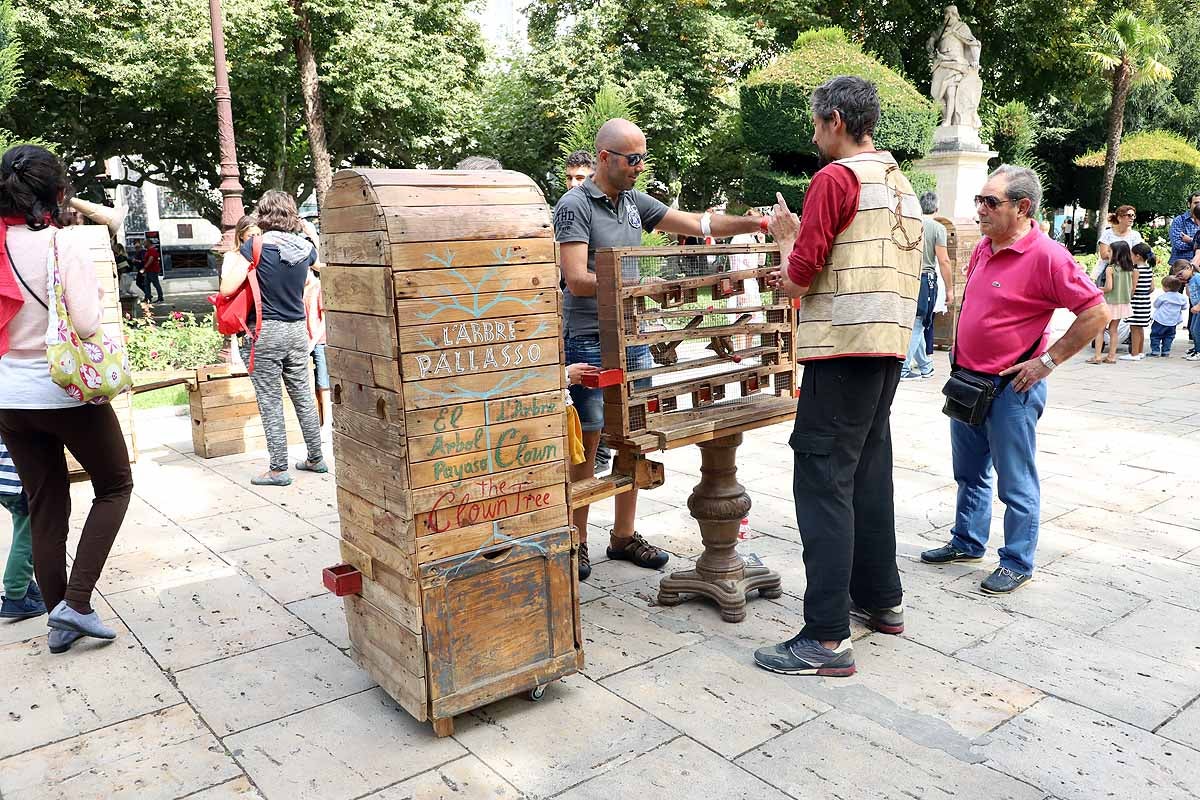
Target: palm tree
1127,50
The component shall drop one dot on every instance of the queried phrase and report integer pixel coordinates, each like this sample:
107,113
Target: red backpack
233,311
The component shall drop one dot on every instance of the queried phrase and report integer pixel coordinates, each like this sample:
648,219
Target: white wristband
706,224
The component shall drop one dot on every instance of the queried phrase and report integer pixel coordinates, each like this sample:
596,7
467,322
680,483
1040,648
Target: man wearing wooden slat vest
606,211
855,261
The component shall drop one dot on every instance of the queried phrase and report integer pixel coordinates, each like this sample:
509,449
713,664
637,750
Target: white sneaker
1193,357
1131,357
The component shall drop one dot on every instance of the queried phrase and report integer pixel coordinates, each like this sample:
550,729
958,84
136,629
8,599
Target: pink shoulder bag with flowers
91,370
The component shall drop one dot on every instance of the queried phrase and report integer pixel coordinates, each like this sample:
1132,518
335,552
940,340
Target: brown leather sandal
585,562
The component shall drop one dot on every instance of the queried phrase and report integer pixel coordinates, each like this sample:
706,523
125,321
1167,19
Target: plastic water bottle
744,528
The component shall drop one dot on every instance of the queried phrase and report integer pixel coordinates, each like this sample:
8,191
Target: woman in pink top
38,419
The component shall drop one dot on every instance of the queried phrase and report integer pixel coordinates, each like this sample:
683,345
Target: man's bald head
620,135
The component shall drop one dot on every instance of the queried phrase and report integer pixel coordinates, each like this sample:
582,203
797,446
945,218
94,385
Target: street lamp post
231,187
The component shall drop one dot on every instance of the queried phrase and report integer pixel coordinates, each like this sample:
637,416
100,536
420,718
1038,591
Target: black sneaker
807,657
947,554
585,562
1004,581
640,552
884,620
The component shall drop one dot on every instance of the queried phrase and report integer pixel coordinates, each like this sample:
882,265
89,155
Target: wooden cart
722,362
445,357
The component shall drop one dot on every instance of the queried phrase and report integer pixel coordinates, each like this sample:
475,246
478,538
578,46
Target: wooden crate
445,358
961,238
721,365
225,414
96,237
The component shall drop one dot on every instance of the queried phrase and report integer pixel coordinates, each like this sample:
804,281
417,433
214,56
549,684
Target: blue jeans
1161,338
918,359
589,403
1007,440
320,367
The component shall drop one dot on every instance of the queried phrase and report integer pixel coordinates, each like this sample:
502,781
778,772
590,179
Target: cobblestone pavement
230,678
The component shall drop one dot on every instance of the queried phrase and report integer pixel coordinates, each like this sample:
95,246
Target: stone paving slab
252,688
1116,680
1082,605
168,753
1163,630
579,730
47,698
679,770
325,614
290,569
1083,755
722,701
1185,727
467,777
255,526
192,624
336,751
843,755
618,635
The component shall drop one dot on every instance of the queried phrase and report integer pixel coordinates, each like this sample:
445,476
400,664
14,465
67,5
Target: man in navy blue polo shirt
606,211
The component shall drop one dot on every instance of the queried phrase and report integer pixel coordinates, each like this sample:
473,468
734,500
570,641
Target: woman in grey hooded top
281,350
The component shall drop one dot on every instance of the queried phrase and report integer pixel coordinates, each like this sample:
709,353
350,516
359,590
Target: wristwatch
706,224
1047,361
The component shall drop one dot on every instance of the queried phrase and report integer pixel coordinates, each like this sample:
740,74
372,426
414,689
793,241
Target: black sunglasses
991,201
633,158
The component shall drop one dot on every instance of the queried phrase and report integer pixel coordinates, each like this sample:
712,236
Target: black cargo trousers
842,482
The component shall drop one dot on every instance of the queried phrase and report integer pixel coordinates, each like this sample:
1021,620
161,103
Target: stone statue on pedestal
956,84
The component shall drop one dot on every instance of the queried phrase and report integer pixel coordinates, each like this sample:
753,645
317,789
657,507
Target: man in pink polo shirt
1017,278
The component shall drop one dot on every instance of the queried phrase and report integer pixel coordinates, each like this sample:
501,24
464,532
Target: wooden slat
470,361
474,332
379,434
433,311
459,254
472,415
548,474
473,280
451,196
521,454
474,440
360,512
348,217
465,540
363,290
371,248
406,689
363,333
488,509
363,368
378,477
471,223
435,177
378,403
593,490
496,385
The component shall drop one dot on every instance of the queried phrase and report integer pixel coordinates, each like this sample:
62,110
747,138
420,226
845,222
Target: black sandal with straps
640,552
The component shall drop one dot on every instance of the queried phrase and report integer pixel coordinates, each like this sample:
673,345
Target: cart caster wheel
537,693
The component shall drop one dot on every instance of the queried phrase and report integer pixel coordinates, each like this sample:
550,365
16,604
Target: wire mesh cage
699,334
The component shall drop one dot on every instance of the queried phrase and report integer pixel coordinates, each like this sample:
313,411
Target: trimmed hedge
1155,171
775,99
759,186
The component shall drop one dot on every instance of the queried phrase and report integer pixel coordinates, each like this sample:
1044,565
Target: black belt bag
969,394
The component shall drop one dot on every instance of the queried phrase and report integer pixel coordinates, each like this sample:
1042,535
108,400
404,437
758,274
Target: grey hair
478,162
1023,184
855,99
929,203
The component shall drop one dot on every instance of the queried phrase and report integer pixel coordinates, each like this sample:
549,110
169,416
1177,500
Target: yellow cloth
574,436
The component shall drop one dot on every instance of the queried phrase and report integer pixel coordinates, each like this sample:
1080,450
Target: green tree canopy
133,78
777,120
1155,170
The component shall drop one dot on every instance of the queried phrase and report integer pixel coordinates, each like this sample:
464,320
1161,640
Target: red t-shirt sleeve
829,206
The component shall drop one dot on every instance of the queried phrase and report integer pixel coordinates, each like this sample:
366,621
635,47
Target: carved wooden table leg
719,503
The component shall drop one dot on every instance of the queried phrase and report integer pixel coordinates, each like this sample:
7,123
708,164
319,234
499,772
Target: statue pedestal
960,175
